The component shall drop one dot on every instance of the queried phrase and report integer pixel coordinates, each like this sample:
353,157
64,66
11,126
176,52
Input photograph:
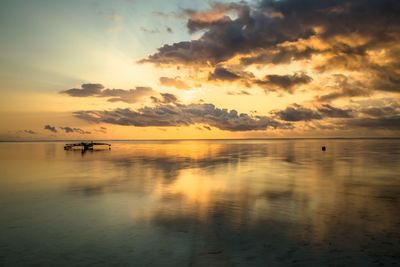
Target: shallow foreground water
201,203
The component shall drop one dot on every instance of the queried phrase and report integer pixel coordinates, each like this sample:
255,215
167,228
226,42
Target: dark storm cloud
113,95
257,28
284,82
68,129
174,114
50,128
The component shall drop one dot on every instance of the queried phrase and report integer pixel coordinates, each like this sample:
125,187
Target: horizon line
197,139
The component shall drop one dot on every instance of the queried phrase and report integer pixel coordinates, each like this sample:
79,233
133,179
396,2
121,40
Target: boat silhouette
84,146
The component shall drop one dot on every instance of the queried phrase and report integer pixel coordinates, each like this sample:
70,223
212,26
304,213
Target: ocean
202,203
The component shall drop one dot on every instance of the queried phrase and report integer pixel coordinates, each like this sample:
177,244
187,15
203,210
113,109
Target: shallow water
201,203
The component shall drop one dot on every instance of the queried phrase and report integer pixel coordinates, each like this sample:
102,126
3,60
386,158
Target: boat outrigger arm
85,146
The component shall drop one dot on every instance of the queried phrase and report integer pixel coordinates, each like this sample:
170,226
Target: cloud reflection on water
283,202
216,203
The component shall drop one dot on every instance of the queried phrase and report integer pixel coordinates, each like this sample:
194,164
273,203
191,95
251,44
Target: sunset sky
156,69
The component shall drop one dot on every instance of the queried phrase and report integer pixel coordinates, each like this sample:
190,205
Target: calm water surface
201,203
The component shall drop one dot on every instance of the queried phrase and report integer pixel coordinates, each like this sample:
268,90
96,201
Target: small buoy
323,148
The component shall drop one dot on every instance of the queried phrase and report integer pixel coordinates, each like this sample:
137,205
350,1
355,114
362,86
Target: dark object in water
85,146
323,148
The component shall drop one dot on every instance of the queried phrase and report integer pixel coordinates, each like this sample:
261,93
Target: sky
152,69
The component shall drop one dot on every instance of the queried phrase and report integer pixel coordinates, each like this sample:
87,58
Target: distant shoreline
216,139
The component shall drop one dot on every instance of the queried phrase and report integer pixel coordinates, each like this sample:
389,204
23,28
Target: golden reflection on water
256,201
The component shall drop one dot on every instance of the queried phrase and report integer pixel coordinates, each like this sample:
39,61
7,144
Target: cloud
345,87
296,112
224,74
385,123
87,89
220,73
330,36
375,76
271,82
381,111
68,129
30,132
128,96
152,31
218,43
174,82
175,114
279,55
50,128
166,98
382,114
241,92
254,28
377,114
334,112
284,82
216,15
386,78
101,130
113,95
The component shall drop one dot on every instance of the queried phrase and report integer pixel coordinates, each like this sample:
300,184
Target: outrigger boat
85,146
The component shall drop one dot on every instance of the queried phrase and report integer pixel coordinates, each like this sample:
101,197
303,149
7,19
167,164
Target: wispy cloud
30,132
113,95
174,82
68,129
50,128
